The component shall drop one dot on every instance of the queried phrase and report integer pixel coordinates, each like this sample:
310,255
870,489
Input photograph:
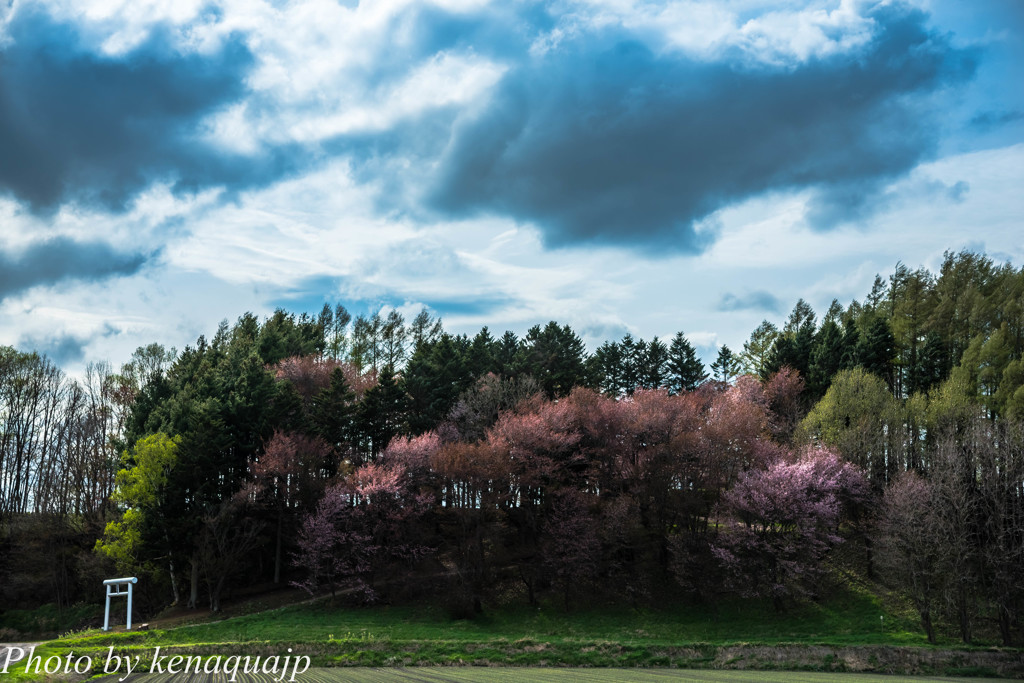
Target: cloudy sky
618,165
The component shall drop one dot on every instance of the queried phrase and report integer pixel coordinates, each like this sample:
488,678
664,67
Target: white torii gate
116,588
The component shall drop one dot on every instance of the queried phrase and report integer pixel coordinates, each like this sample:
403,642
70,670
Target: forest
385,461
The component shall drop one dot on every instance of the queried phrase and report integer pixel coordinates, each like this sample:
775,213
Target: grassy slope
679,635
478,675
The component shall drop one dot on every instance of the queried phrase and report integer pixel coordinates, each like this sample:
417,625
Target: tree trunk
215,591
175,591
174,581
926,624
193,596
1005,630
964,618
277,549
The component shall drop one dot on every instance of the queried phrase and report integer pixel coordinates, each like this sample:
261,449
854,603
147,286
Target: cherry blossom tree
779,522
571,548
362,526
290,474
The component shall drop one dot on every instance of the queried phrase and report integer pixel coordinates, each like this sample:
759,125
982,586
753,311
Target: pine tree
382,413
685,371
333,410
757,350
654,372
606,364
726,365
826,358
554,356
504,355
876,349
629,374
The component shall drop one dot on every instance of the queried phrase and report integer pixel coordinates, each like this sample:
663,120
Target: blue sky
618,165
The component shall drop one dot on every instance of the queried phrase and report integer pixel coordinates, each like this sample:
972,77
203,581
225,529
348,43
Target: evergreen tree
435,376
629,372
876,349
851,341
757,350
480,359
554,356
333,412
685,371
794,346
505,353
655,366
606,364
382,413
932,362
826,358
726,365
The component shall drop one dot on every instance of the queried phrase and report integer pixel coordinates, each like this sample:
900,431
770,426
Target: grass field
480,675
854,630
850,617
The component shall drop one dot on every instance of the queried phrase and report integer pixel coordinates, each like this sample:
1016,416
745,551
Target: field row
497,674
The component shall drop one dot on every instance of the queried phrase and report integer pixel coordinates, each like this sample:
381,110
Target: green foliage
141,485
860,418
757,350
726,365
685,369
382,413
554,356
437,373
44,621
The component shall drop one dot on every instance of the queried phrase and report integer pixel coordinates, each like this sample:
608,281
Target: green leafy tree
859,417
132,540
757,350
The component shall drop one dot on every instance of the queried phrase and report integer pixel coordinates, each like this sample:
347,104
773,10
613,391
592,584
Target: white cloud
445,79
769,32
323,69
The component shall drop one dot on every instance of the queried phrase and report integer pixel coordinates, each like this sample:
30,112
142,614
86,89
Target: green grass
45,621
467,675
678,635
851,617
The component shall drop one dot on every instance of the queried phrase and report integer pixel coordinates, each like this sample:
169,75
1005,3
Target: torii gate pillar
117,588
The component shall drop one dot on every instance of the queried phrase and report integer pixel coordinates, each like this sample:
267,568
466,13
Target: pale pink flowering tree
571,548
779,522
361,527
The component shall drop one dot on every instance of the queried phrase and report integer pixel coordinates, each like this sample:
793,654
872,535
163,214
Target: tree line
382,460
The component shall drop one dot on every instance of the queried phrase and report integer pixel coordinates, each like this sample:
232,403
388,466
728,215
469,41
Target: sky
615,165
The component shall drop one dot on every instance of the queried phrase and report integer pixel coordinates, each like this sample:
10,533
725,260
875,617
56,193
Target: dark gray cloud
75,125
60,259
604,141
61,349
989,120
469,305
752,301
